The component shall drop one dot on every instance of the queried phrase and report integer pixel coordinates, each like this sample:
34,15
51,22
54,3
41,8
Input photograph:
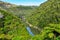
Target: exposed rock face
1,16
6,5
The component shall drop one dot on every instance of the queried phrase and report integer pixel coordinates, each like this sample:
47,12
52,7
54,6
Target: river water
29,30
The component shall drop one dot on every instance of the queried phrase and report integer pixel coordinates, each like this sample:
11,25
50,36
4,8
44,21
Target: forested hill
17,9
46,18
22,10
11,26
48,12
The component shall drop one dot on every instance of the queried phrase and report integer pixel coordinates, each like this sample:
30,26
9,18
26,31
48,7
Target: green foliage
46,17
48,33
46,13
22,10
13,25
16,38
58,38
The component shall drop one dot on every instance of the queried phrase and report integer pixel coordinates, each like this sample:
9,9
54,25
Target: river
28,27
29,30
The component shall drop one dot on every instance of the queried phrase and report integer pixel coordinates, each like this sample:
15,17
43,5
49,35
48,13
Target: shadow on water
35,31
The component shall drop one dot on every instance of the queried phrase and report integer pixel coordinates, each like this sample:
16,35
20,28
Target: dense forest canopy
45,17
11,26
47,13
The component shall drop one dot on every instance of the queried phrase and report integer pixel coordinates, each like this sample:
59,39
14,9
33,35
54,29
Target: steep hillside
22,10
46,13
11,26
17,10
47,18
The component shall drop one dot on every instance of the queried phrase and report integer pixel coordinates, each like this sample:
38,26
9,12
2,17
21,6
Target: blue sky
25,2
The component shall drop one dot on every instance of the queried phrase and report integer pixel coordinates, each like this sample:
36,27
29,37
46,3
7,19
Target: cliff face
6,5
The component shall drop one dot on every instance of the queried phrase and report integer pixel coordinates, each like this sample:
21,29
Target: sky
25,2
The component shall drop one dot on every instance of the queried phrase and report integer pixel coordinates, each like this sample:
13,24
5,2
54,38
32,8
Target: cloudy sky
25,2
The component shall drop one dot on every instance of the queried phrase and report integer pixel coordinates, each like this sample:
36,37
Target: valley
19,22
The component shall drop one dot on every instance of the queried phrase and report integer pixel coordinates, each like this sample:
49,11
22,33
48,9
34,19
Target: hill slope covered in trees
46,13
46,17
11,26
17,10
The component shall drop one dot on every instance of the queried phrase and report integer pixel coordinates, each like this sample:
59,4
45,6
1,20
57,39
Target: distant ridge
6,5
